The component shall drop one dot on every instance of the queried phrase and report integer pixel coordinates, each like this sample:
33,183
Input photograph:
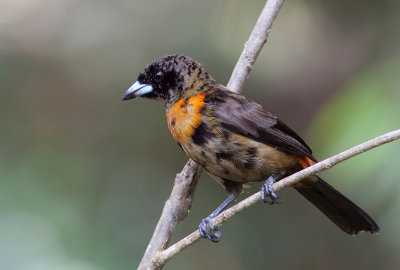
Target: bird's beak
136,90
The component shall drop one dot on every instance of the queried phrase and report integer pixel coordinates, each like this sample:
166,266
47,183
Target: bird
237,142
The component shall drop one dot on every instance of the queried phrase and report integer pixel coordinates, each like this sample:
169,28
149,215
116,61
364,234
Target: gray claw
207,230
267,191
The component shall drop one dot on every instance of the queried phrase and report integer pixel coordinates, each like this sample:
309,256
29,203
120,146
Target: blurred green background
84,176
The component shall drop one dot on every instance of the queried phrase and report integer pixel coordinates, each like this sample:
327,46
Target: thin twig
180,200
253,46
288,181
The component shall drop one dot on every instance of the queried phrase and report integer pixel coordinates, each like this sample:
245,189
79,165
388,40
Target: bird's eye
159,76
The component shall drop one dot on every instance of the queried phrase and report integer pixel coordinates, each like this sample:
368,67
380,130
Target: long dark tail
343,212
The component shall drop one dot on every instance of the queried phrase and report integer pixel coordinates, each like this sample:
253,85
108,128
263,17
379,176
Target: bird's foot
207,230
267,191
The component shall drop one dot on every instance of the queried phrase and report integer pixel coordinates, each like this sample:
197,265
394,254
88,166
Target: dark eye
159,76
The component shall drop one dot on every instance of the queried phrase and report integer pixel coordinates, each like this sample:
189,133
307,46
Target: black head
167,79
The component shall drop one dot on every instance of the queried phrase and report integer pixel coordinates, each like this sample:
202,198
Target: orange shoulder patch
185,116
304,161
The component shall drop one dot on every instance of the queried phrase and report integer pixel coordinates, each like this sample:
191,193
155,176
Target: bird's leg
207,230
267,191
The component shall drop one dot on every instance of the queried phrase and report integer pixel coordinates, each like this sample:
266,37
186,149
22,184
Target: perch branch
180,200
326,164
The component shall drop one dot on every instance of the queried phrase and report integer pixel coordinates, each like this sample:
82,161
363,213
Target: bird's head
169,79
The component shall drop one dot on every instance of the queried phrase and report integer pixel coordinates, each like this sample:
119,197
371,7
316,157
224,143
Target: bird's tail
343,212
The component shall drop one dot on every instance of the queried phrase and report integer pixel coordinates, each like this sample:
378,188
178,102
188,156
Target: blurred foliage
84,176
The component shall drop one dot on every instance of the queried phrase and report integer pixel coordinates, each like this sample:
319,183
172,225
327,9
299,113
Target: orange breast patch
184,117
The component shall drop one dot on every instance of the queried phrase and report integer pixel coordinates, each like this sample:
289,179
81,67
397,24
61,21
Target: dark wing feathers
242,116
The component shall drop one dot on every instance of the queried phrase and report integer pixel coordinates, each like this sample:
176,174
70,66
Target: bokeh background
84,176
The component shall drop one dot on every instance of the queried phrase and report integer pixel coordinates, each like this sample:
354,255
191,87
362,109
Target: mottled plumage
236,141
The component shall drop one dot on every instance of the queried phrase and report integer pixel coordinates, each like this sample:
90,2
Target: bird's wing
247,118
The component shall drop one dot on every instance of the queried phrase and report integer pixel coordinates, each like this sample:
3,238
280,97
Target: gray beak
136,90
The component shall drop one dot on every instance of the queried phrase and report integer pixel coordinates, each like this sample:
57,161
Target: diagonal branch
179,203
288,181
253,46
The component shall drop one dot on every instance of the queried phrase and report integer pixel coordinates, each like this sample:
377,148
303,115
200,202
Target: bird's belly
239,159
